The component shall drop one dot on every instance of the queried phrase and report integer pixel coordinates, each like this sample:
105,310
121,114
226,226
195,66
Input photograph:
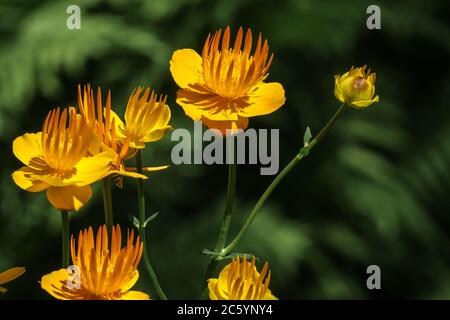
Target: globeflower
146,119
100,272
225,86
56,160
356,88
240,280
102,121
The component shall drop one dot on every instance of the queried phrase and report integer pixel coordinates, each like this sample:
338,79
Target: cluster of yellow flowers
223,87
74,150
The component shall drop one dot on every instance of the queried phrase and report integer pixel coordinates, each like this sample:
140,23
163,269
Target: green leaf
216,255
307,136
134,221
212,254
153,216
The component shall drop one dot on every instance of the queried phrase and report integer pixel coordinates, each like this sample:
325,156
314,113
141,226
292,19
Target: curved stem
65,231
141,205
327,127
303,152
107,205
260,203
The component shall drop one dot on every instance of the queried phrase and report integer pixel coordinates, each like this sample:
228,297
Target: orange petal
69,198
221,127
11,274
264,99
186,67
22,178
27,148
135,295
55,283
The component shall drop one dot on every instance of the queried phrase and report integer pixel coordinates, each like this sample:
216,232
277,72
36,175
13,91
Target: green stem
65,231
107,205
224,228
141,205
231,191
304,152
327,127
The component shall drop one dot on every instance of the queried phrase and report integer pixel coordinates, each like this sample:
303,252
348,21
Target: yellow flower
240,280
146,119
103,122
225,85
356,87
10,275
56,160
104,274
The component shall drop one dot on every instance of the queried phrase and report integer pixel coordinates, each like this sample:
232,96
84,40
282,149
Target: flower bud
356,88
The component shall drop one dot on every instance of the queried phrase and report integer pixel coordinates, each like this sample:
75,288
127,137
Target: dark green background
375,191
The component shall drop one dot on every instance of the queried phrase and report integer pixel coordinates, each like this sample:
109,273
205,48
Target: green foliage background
375,191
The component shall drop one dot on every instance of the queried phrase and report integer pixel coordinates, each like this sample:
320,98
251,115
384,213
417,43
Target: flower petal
221,127
264,98
364,103
55,283
121,131
69,198
186,67
22,178
155,135
130,174
11,274
337,89
203,103
28,149
87,171
135,295
95,168
130,283
212,284
269,296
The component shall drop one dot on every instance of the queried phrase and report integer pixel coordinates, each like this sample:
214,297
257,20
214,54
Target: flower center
359,83
232,72
63,145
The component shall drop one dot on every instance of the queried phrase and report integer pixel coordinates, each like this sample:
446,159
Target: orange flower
103,273
56,160
103,122
225,85
146,119
240,280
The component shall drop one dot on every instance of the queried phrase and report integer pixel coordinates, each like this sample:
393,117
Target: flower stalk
224,228
303,153
141,207
107,205
65,232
